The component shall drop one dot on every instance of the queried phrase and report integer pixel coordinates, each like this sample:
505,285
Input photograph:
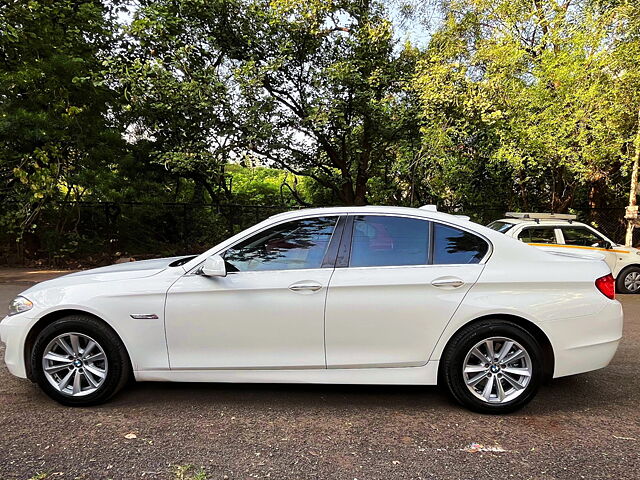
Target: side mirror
607,245
214,267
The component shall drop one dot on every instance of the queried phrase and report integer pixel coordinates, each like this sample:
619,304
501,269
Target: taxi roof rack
542,216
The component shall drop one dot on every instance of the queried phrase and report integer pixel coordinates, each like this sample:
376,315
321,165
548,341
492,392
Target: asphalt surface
587,426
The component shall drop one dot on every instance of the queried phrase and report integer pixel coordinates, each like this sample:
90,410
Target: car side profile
562,233
353,295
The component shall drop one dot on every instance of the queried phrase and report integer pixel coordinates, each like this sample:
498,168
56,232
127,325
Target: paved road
586,426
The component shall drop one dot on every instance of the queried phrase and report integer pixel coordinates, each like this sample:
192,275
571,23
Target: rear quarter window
455,246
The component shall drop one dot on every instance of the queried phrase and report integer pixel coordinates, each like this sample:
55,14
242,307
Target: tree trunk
346,194
362,173
633,191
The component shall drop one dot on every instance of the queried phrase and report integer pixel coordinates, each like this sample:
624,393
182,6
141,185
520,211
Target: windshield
500,226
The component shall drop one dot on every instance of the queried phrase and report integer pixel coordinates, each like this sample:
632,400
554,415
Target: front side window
289,246
538,235
455,246
582,237
389,241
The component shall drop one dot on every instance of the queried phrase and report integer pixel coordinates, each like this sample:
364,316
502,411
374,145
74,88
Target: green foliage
190,106
533,92
54,133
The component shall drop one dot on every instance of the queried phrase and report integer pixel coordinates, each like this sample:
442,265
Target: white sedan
358,295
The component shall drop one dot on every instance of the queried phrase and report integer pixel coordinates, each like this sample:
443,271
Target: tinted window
292,245
538,235
581,236
500,226
454,246
383,241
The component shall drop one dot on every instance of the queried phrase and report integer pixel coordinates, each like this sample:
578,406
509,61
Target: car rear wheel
79,361
493,366
628,280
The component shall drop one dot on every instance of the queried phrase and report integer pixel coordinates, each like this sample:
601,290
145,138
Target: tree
543,76
316,88
56,139
177,90
323,89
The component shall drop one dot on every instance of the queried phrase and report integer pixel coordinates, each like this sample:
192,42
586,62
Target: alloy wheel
497,370
75,364
632,281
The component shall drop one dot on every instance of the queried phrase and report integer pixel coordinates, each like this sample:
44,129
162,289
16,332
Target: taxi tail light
607,286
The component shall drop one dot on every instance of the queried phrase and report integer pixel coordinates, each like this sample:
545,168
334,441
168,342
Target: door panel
388,303
268,312
248,320
391,316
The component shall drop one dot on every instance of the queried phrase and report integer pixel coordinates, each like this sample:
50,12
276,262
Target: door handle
448,282
305,287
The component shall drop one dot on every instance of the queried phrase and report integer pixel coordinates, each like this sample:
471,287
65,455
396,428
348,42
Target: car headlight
19,305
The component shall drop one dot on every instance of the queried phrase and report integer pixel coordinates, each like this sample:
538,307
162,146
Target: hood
142,268
116,272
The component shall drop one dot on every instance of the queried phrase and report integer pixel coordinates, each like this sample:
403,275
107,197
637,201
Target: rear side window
455,246
538,235
385,241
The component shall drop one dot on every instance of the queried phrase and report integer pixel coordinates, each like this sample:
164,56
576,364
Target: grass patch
188,472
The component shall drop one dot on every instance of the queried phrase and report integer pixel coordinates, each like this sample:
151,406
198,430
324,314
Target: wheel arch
528,325
51,317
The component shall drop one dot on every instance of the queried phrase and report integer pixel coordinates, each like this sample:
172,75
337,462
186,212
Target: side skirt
424,375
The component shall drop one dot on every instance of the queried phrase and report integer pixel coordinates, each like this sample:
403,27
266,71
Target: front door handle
448,282
305,287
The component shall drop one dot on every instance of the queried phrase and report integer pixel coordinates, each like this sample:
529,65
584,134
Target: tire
623,286
458,356
89,374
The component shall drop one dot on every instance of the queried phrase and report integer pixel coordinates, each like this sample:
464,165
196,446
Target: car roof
426,212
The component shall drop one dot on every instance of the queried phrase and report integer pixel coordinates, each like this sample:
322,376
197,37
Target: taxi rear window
500,226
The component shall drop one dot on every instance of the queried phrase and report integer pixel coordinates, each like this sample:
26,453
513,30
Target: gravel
585,426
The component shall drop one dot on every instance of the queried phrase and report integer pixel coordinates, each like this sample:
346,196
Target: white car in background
358,295
562,233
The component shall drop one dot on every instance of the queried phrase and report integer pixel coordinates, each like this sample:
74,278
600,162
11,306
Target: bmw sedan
357,295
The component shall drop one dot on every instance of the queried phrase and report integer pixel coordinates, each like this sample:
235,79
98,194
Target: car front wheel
493,366
79,361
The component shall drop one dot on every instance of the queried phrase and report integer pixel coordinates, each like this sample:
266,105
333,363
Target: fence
97,232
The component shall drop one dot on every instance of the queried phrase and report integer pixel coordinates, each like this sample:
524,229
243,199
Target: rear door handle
448,282
305,287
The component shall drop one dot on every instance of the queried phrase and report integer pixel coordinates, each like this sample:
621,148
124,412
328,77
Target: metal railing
107,229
